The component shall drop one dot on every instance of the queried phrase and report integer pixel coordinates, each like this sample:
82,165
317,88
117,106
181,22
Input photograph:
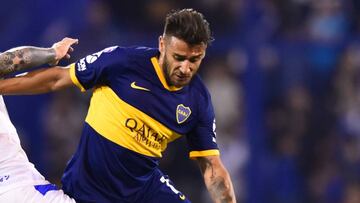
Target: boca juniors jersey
133,115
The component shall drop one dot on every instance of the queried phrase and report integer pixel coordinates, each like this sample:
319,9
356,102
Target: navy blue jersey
133,115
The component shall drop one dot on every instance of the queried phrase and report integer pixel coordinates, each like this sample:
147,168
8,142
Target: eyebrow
179,55
183,56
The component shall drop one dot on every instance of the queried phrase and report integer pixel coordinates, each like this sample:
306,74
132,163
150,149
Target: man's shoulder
122,54
130,50
141,51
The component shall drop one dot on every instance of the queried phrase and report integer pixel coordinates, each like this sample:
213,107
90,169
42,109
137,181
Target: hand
63,49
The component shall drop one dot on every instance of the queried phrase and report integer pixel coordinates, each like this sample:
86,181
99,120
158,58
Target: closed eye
194,59
179,57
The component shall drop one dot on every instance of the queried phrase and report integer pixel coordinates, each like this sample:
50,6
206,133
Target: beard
170,76
166,69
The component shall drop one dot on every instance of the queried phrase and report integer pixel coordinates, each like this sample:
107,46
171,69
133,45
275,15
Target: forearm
37,82
21,58
220,188
217,181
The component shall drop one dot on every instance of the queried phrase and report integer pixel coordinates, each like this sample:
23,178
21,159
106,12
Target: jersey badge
182,113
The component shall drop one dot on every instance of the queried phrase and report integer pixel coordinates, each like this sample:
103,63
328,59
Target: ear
161,44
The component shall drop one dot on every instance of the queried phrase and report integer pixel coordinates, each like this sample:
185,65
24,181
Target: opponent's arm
37,82
217,179
20,58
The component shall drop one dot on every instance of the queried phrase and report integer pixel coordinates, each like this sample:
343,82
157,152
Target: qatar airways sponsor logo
144,134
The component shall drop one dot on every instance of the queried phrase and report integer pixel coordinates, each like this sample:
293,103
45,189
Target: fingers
64,47
70,50
66,43
70,41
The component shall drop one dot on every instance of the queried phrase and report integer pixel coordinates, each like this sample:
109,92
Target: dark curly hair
188,25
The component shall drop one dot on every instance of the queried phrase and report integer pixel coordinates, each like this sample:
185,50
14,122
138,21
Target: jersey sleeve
202,139
97,69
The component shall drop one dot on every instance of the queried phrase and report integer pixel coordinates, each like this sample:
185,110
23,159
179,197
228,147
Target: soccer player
19,180
143,98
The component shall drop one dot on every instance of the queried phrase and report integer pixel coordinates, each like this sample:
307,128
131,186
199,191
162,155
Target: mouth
182,77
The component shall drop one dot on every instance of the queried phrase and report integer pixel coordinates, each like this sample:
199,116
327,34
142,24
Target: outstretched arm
217,179
37,82
20,58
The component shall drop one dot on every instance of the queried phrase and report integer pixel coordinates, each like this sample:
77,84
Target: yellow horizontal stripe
74,78
211,152
127,126
161,76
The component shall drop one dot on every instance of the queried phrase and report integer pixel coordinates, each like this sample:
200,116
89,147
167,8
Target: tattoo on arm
24,57
219,188
205,164
217,185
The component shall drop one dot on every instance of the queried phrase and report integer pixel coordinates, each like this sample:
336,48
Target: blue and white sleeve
95,69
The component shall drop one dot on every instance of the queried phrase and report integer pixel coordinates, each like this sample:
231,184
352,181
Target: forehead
178,46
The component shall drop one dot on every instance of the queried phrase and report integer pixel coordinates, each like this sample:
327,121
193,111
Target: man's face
179,61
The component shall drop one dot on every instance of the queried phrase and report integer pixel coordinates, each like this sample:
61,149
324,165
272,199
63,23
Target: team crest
182,113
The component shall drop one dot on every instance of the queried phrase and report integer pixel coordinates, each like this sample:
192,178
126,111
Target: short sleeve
96,69
202,139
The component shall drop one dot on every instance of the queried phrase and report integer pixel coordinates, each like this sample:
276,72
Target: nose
185,67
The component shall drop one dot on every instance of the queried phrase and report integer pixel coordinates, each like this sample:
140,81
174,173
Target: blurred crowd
292,66
310,63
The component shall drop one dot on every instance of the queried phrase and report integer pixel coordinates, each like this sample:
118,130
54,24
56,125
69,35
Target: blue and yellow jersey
132,117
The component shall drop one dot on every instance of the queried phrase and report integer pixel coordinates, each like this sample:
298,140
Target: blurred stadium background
284,77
